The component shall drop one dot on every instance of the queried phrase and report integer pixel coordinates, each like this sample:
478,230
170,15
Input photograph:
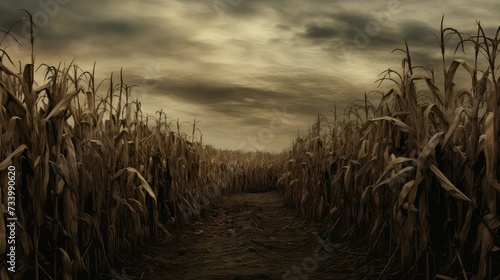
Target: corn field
97,177
415,177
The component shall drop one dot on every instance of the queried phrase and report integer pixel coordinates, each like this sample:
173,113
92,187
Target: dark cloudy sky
247,69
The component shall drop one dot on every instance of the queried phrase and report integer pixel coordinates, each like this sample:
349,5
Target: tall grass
415,177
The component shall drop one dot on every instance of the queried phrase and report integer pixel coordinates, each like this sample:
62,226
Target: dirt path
250,236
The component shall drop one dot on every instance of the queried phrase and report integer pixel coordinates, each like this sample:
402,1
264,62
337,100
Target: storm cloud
233,64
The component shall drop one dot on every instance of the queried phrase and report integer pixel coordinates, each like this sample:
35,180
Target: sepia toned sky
252,71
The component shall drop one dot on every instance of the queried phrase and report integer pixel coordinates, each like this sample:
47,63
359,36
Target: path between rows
250,236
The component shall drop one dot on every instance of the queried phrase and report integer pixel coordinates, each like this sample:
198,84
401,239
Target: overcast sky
247,69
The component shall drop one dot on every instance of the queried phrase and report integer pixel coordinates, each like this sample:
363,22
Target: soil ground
251,236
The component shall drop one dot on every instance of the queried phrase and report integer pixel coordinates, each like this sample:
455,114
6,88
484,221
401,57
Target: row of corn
416,176
95,177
